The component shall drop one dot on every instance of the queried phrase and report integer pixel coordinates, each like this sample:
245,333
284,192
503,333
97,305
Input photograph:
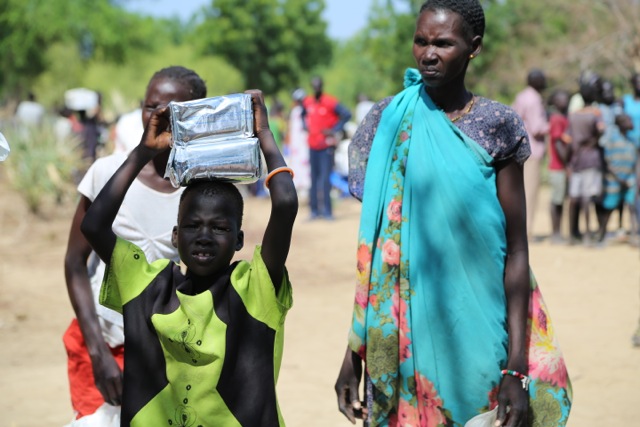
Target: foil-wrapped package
221,117
236,160
213,139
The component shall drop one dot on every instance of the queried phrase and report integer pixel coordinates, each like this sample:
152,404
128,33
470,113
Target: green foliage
54,45
271,42
40,167
95,29
353,73
520,35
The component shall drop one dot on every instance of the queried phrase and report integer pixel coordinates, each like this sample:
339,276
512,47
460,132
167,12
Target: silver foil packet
236,160
213,139
221,117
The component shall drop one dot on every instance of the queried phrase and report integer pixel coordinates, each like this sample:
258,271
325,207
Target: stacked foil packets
213,138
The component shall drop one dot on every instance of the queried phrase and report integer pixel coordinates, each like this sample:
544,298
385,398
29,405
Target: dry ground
593,296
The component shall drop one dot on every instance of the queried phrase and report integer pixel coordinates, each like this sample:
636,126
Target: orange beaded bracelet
275,172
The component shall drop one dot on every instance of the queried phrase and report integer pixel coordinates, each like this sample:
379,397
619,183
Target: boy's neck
194,285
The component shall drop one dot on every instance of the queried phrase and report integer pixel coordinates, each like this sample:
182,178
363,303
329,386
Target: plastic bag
106,416
486,419
4,148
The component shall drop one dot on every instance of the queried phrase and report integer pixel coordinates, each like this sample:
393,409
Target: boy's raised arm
284,199
97,222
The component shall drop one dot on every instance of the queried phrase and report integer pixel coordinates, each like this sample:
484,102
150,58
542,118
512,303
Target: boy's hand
157,135
260,117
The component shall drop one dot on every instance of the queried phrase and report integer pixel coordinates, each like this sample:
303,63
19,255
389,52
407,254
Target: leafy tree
95,28
271,42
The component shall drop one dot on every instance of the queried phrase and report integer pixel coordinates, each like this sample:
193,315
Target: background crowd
585,144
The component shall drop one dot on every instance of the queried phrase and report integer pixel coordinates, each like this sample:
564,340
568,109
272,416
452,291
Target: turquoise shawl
430,312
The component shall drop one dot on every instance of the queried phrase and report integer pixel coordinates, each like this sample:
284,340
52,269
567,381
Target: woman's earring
472,56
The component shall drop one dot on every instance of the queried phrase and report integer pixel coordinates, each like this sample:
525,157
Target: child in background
620,176
204,347
559,151
94,341
585,183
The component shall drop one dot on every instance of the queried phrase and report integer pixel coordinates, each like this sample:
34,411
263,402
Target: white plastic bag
106,416
486,419
4,148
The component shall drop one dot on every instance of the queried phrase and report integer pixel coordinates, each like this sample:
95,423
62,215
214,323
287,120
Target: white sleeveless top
146,218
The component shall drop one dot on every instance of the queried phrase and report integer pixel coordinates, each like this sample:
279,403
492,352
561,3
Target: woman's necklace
473,101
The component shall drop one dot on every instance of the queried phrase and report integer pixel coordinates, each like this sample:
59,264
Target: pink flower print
362,295
429,403
373,299
545,358
407,416
542,321
398,305
363,273
405,345
391,252
399,313
404,135
394,211
546,362
363,257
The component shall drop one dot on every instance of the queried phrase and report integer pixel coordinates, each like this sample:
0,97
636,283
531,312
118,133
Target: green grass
39,167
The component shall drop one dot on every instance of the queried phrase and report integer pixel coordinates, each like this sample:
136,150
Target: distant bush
40,166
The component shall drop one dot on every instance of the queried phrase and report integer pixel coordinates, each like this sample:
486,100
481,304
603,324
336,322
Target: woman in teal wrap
448,320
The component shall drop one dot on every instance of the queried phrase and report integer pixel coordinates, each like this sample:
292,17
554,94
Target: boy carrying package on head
204,347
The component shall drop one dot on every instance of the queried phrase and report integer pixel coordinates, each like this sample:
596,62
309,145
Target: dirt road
592,294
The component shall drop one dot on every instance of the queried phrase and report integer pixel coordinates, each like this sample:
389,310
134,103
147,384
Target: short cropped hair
470,10
220,189
189,78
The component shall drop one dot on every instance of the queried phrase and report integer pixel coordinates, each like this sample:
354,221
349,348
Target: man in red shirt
324,118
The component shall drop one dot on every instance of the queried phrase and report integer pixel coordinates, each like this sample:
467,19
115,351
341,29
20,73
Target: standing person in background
296,141
559,153
30,112
325,118
66,126
619,176
609,108
585,184
530,106
631,104
95,340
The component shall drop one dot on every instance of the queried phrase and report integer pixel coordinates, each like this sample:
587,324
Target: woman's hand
157,135
347,387
516,398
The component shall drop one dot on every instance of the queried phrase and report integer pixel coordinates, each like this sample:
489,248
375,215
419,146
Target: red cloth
558,125
85,396
320,115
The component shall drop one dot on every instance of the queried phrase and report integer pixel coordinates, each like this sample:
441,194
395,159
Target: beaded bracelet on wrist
523,378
